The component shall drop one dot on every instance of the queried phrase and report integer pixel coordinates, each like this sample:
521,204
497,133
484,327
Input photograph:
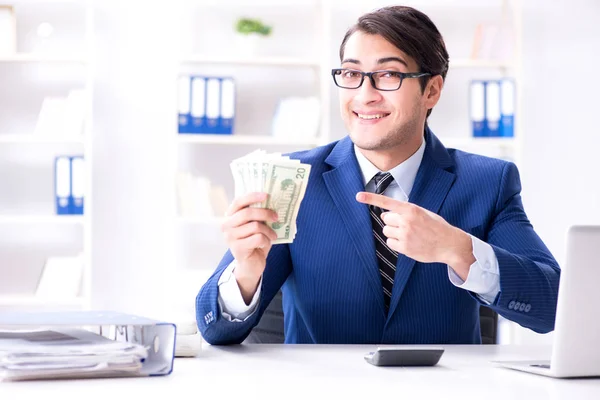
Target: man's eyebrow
380,61
390,59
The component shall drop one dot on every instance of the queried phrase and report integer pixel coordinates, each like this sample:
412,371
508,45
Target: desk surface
317,371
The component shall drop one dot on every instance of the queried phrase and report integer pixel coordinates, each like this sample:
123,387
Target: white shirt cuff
484,275
232,304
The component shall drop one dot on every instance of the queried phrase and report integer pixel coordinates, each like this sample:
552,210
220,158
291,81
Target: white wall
133,237
561,180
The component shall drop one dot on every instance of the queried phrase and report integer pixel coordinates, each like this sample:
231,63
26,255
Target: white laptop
576,347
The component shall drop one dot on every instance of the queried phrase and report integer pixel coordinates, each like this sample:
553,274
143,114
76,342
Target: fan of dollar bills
282,178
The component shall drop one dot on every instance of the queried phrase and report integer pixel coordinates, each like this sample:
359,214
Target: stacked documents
284,180
68,353
189,340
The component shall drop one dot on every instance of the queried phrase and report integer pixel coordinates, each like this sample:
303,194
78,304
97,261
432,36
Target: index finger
382,201
244,201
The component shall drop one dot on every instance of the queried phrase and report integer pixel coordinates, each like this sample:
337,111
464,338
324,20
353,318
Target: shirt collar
404,174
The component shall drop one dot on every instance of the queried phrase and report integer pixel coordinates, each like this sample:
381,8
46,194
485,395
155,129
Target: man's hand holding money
268,189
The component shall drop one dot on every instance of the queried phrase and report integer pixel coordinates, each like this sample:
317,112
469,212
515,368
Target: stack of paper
189,340
69,353
198,197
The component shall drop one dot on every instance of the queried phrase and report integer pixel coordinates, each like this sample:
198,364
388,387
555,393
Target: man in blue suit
399,240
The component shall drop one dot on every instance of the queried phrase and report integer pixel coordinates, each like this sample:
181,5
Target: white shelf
259,3
46,2
299,62
245,139
459,142
469,63
424,5
44,58
35,139
256,61
42,219
33,301
212,220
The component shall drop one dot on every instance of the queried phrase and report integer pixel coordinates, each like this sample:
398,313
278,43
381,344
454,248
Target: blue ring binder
158,337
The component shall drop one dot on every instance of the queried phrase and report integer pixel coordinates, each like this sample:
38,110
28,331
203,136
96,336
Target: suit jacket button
511,305
527,308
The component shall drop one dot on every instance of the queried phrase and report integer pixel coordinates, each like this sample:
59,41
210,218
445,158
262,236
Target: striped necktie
386,257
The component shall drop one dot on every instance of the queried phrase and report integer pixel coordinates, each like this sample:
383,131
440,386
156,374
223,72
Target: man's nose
366,93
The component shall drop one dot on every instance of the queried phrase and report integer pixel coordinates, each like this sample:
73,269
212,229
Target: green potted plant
250,31
248,26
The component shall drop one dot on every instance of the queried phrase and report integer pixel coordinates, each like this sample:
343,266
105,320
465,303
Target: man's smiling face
380,120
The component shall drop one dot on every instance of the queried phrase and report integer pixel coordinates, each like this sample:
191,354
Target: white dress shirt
483,278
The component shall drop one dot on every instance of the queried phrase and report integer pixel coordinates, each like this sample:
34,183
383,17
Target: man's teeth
372,116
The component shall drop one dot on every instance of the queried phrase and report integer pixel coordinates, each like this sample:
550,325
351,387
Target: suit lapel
432,184
343,182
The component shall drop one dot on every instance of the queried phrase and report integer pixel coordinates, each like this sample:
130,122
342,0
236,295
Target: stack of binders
492,108
206,105
69,184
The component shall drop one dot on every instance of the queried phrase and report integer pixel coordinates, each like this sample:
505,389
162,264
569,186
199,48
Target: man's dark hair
412,32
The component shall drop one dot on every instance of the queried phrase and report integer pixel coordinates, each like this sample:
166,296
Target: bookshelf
44,58
199,242
30,231
247,61
212,220
469,63
34,139
42,219
257,140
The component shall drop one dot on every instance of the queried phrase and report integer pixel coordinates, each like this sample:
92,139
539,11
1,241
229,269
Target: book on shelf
61,278
8,30
62,116
206,105
69,185
492,107
493,41
297,118
198,197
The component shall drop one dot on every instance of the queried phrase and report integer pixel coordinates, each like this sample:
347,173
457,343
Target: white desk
324,372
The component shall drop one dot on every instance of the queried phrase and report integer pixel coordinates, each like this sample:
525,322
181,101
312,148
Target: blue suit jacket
331,286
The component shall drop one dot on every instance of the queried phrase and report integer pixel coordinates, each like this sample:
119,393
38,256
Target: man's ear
433,91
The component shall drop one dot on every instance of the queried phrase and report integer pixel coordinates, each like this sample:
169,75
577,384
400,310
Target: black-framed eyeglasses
381,80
